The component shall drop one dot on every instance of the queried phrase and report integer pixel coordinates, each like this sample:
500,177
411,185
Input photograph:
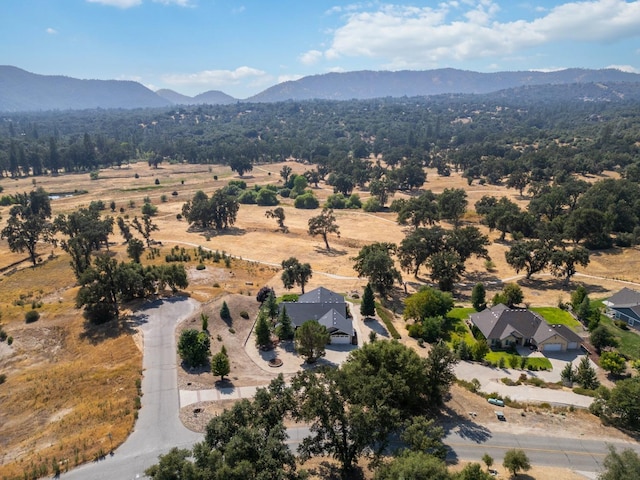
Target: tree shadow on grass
98,333
465,427
334,252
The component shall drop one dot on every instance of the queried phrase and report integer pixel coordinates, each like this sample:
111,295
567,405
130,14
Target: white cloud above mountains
135,3
218,78
419,37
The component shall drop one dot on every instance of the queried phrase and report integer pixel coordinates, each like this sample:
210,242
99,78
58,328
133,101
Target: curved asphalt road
158,427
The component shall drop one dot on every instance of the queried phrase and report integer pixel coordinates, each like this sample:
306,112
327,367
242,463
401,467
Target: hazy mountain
174,97
21,90
370,84
214,97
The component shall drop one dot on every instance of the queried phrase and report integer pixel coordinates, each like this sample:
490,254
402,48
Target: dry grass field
71,390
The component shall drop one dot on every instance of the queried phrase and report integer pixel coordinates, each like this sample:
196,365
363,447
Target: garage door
572,346
553,347
335,339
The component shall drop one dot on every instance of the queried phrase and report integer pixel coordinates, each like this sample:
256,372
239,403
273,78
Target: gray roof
321,295
547,331
314,305
499,322
624,298
336,323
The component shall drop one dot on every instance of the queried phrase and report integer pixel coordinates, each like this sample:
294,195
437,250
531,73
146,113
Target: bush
621,324
284,192
200,266
244,314
3,378
290,297
31,316
372,205
306,201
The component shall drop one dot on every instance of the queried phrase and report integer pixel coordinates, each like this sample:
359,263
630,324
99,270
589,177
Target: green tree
173,465
601,337
417,211
368,305
419,245
479,297
613,362
516,460
586,375
382,189
374,262
564,262
241,164
193,347
447,268
414,466
145,227
532,256
577,296
135,249
623,465
294,272
285,171
511,295
270,305
427,302
622,407
28,223
204,320
338,428
568,374
323,225
440,375
452,204
285,328
311,339
422,435
220,365
278,214
263,332
487,460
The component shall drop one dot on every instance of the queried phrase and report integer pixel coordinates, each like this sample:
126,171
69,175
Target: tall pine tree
285,328
368,305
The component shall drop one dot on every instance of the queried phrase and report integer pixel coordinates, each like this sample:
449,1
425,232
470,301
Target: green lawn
539,363
457,328
628,340
556,316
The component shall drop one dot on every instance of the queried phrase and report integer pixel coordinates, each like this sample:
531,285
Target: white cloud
118,3
217,78
412,37
135,3
289,78
51,31
311,57
625,68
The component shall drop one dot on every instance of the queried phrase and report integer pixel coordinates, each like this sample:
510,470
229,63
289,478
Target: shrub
200,266
621,324
31,316
94,175
163,198
136,176
284,192
290,297
3,378
244,314
306,201
372,205
157,181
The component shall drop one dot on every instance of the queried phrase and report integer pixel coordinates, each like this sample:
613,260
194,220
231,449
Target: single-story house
328,308
504,327
624,305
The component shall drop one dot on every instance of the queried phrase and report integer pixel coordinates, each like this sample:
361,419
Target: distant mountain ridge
24,91
371,84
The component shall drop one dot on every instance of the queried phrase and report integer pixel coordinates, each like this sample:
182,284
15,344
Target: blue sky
243,47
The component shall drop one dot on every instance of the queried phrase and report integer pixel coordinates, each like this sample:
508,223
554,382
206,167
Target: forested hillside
530,138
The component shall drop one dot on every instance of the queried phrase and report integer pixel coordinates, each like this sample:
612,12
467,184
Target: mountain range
24,91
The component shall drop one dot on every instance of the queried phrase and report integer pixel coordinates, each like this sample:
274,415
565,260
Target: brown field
70,390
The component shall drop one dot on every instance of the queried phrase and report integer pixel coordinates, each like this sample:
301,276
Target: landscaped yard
557,316
628,340
457,327
533,363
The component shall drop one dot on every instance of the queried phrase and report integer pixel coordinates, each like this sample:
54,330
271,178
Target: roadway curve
158,427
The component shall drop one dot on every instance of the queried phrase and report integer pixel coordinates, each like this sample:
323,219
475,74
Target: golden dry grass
55,373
